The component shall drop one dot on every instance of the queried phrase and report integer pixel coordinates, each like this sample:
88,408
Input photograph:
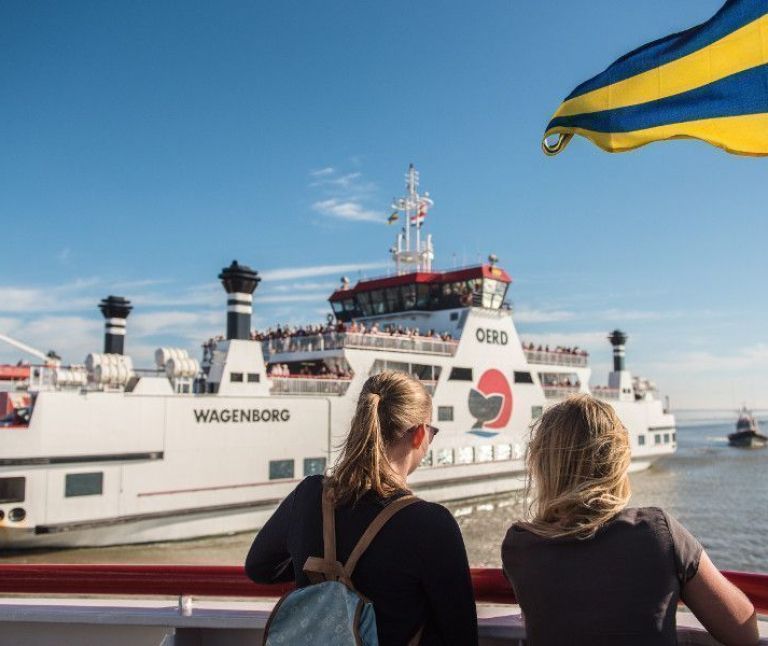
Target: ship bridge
478,286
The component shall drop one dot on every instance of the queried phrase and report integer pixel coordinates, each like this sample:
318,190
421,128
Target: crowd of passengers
575,351
321,371
298,331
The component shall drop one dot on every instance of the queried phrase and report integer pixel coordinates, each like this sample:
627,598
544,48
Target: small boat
747,435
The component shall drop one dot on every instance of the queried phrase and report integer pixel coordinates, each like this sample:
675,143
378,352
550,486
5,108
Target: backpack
330,611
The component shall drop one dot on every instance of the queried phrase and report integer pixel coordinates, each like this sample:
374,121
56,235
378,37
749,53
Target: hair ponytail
389,404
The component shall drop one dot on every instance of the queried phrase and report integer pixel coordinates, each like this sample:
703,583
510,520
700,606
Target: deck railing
557,358
489,584
559,392
309,386
358,340
606,393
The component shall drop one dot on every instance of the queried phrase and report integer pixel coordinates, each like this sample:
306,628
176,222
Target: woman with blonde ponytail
586,568
415,569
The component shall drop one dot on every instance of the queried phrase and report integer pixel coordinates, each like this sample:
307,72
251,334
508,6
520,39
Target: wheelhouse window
12,489
444,456
502,452
493,293
236,377
253,377
523,377
484,453
641,440
445,413
84,484
465,455
280,469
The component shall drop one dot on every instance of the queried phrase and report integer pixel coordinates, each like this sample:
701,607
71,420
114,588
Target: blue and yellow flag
709,82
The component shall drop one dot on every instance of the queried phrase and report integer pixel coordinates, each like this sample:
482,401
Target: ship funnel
115,310
239,282
618,340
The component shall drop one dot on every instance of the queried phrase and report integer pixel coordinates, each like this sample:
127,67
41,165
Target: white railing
367,341
557,358
559,392
603,392
309,386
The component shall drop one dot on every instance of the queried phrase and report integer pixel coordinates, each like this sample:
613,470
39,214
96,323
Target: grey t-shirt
619,587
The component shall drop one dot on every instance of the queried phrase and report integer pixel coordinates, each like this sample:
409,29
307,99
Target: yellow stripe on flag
741,50
745,134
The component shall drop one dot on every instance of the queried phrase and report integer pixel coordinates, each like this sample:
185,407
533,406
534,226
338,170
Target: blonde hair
577,460
390,403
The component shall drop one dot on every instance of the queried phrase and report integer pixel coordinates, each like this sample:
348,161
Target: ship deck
142,607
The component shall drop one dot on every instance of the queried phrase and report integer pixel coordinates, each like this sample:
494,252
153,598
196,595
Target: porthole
17,514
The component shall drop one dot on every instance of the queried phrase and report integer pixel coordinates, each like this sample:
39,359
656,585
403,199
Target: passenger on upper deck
415,571
588,570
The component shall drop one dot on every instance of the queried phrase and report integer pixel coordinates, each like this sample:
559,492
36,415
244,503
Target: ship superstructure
108,453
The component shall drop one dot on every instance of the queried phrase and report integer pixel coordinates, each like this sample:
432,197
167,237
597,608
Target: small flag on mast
709,82
394,217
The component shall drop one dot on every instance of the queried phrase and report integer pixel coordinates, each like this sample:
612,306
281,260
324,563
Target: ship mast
411,253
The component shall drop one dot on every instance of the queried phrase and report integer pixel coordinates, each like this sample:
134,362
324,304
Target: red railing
230,581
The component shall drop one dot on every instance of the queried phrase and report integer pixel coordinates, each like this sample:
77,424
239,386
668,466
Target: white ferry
103,453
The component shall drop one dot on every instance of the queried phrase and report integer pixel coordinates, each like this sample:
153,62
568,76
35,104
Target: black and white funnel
618,340
240,281
115,310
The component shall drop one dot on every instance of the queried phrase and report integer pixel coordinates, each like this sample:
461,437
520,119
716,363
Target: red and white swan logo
490,403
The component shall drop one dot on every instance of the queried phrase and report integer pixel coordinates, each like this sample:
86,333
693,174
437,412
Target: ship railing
358,340
603,392
201,614
557,358
560,392
308,385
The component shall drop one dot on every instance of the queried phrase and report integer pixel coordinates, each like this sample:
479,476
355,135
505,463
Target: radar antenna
411,252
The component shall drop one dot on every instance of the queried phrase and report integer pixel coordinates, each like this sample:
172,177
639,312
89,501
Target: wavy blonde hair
578,459
390,403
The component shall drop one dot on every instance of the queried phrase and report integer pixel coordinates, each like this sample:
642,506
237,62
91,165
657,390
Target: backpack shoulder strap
326,568
370,533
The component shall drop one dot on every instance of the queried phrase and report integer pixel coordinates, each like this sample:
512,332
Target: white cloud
292,273
301,287
292,298
322,172
347,210
532,315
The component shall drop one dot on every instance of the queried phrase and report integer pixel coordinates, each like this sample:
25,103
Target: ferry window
460,374
657,439
12,489
517,451
674,437
523,377
377,301
641,440
445,413
422,296
445,456
426,460
236,377
279,469
502,452
364,303
536,412
254,377
408,294
454,316
338,308
378,366
493,293
425,372
484,453
398,366
393,299
465,455
666,438
313,466
84,484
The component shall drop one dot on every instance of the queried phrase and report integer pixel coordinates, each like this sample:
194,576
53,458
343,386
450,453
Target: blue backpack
329,610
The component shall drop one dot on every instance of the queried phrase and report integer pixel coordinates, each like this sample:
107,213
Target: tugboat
747,435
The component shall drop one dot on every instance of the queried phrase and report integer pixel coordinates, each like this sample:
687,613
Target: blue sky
145,145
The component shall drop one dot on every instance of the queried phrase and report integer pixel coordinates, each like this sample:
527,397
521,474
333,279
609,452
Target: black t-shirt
619,587
415,571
